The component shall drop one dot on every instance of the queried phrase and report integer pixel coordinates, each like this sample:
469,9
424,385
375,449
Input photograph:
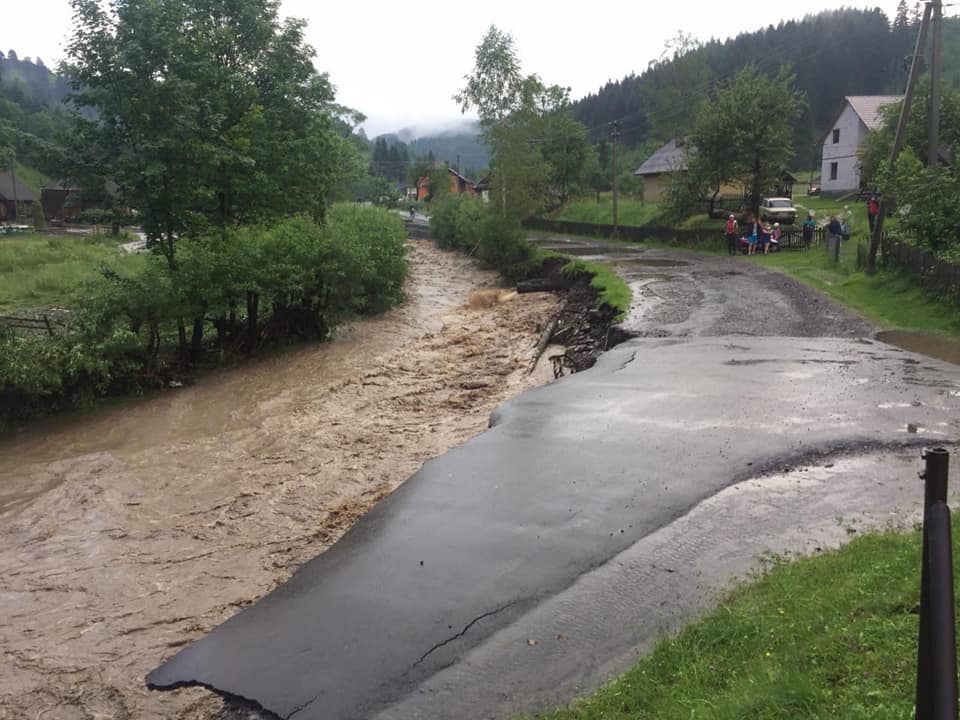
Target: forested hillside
448,146
31,107
835,53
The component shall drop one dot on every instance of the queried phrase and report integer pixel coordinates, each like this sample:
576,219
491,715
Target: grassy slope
38,271
630,211
830,636
890,300
611,289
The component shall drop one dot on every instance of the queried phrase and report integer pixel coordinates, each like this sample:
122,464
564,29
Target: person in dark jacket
834,233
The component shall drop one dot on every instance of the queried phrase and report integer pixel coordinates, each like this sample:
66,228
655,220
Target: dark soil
585,328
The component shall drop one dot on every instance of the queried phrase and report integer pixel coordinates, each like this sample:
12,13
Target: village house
658,171
458,184
844,138
14,196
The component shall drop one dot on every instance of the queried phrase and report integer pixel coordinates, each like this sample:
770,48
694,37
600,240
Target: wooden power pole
936,64
898,138
614,135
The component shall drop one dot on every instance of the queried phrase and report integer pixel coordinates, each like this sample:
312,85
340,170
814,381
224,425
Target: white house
844,139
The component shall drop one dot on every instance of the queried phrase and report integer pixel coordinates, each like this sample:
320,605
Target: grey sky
400,63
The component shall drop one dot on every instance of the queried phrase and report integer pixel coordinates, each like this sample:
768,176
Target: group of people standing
763,235
760,234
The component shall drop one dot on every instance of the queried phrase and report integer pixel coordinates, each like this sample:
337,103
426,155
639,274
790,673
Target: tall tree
207,113
745,135
902,18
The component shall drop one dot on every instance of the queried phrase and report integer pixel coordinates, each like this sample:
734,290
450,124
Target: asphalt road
534,560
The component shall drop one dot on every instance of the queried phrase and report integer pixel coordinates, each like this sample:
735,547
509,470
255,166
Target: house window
833,170
836,135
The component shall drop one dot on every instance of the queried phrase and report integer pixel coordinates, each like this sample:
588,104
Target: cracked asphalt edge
670,577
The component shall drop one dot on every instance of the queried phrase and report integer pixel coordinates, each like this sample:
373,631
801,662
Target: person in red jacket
873,209
731,231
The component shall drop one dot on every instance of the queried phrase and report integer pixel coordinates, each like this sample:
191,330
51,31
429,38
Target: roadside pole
13,178
898,138
614,135
933,137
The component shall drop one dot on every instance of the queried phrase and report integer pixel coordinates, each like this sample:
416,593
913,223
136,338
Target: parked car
778,209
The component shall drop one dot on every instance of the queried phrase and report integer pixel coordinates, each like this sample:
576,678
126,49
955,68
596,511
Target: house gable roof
24,194
867,108
669,158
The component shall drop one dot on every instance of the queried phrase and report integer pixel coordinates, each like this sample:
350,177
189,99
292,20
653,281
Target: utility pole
898,138
13,177
614,135
933,137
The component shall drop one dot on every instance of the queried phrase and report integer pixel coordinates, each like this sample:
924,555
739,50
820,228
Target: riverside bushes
464,223
137,326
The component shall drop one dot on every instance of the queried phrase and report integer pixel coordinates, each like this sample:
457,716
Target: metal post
930,649
942,641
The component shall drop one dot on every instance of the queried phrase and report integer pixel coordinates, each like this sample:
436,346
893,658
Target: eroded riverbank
136,529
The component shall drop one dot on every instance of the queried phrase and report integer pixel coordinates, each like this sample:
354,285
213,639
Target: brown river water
131,530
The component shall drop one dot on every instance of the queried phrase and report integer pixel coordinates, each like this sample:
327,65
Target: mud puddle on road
934,346
133,530
654,262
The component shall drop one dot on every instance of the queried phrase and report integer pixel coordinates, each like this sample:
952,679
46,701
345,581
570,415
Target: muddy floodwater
129,531
937,346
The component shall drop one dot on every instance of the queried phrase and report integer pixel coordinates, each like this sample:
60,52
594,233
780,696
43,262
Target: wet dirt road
683,294
130,531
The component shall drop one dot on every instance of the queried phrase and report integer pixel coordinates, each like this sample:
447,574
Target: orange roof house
458,184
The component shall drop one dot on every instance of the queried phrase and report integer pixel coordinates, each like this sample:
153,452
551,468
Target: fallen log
544,340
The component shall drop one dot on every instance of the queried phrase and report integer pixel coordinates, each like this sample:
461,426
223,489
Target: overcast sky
401,62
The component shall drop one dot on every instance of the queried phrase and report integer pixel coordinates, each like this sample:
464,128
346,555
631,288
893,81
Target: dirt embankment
133,531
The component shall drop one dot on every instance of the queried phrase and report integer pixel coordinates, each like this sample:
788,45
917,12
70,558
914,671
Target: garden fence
937,277
709,237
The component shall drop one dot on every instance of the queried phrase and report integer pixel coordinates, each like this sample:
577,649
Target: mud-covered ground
129,532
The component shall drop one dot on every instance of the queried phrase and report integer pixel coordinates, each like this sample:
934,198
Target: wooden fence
38,323
937,277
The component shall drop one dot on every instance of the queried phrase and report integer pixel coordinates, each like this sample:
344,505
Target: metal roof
670,158
24,194
868,107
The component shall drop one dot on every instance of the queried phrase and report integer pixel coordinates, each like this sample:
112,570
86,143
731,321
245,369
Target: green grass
890,300
829,636
630,211
611,289
40,271
33,179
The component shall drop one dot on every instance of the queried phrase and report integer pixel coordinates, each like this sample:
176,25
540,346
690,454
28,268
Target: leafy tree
206,114
537,148
902,18
928,198
565,149
439,184
495,87
876,153
745,134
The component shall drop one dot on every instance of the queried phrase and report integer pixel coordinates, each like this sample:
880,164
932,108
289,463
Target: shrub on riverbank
136,326
464,223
